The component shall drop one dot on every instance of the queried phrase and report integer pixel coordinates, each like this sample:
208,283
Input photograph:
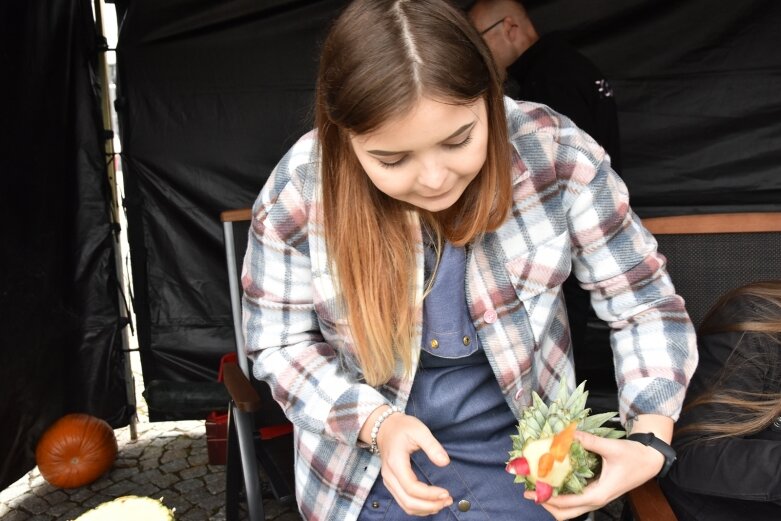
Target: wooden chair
259,435
647,503
708,255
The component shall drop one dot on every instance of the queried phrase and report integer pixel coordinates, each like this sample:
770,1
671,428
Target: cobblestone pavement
167,460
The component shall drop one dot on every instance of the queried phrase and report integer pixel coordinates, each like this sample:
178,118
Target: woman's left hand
626,464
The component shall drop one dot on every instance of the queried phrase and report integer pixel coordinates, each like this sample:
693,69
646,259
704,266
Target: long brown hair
744,413
379,59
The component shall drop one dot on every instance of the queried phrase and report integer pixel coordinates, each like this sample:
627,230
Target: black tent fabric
697,84
61,345
212,93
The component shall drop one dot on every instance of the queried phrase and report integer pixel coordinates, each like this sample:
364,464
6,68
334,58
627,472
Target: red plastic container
217,425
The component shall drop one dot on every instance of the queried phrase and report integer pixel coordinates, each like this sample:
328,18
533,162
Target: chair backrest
710,254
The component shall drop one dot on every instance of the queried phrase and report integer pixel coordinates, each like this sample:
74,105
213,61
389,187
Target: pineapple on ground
545,456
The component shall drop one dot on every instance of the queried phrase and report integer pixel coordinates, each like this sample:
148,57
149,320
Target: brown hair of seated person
374,70
749,412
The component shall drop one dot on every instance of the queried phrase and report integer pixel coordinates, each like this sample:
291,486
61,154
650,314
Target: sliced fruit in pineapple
556,471
129,508
545,455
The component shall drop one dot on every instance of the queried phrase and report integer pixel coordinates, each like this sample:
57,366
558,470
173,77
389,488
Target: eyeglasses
491,26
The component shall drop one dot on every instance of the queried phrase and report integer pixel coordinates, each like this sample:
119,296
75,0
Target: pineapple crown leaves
542,420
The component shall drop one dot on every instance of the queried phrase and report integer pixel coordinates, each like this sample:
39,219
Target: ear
510,29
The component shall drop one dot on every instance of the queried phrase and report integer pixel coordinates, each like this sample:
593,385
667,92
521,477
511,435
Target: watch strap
648,439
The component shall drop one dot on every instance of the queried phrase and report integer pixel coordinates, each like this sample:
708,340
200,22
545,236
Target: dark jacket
733,478
554,73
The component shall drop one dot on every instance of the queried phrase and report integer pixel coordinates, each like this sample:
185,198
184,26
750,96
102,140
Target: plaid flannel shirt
570,212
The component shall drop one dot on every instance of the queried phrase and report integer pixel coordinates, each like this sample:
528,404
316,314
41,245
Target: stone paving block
35,505
131,450
121,474
55,496
180,503
200,457
147,476
148,490
148,464
182,442
151,452
188,485
16,515
194,514
216,487
193,472
42,490
79,494
95,500
100,484
173,454
164,481
59,509
125,463
73,513
174,466
208,501
120,488
160,441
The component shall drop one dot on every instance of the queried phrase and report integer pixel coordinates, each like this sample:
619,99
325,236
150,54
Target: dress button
464,505
375,504
467,341
490,316
434,344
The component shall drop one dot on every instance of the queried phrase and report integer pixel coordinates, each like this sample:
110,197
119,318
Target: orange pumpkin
76,450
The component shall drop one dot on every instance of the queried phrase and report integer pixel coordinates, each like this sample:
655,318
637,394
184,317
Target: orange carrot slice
545,464
562,441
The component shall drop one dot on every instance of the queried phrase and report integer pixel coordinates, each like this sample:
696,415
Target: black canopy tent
210,96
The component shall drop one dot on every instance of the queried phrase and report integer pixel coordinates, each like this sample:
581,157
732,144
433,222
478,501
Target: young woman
402,282
729,439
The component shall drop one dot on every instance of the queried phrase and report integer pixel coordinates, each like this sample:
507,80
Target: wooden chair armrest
239,214
648,503
240,389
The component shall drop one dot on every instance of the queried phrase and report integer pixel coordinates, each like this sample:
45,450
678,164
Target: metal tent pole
111,173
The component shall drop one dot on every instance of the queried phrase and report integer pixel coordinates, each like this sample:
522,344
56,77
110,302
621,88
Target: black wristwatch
648,438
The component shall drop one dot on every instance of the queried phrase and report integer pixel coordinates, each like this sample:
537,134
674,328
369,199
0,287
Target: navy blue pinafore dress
456,395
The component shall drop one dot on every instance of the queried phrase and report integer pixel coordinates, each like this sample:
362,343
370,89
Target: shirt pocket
537,276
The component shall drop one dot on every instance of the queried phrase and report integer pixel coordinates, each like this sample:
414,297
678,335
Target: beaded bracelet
374,449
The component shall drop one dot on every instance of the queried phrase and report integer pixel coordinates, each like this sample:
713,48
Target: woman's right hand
399,436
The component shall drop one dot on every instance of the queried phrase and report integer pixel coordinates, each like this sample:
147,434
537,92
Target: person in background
547,69
402,281
728,438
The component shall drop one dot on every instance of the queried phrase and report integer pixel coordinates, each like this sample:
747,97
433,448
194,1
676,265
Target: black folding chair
259,434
